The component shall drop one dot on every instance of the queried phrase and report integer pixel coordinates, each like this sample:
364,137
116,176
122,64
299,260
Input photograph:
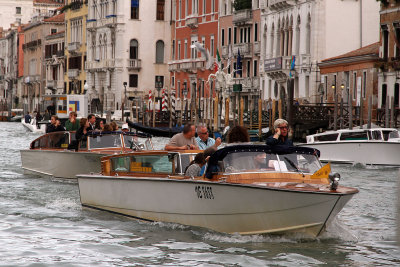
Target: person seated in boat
72,124
92,122
81,134
55,125
28,118
114,126
204,141
184,140
238,134
281,134
207,154
107,128
125,128
99,126
194,168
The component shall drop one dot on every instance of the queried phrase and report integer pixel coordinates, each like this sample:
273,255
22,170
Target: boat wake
64,204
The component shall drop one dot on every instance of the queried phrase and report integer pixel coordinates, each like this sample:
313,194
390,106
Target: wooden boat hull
365,152
223,207
61,164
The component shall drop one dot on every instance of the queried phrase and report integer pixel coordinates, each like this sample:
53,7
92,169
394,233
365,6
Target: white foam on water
64,204
240,239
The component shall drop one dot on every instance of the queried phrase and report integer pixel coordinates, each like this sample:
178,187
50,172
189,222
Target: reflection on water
42,222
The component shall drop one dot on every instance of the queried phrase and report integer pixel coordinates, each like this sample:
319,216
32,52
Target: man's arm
172,147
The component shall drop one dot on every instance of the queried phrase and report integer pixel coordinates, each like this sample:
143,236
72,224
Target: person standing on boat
204,141
184,140
72,124
280,136
28,118
55,125
92,122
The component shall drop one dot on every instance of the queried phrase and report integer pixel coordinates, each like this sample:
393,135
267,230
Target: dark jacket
271,141
51,128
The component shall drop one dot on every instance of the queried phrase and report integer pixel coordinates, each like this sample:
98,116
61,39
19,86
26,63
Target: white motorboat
54,154
375,146
280,191
35,127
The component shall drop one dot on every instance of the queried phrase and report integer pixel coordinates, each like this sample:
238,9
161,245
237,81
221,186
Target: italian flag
216,64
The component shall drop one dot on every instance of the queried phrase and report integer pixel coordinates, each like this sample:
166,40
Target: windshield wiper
294,166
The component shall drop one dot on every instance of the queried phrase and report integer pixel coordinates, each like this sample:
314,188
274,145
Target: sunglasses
284,127
204,133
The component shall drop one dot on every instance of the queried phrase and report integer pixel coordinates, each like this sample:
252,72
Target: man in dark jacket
280,136
55,125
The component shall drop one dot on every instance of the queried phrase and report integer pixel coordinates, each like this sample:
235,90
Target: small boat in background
34,127
375,146
55,154
155,131
247,189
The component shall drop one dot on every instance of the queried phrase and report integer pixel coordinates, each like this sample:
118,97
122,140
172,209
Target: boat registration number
204,192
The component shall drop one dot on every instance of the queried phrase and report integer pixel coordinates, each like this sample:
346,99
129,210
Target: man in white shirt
204,141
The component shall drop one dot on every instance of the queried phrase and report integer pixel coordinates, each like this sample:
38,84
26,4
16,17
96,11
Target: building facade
354,77
124,57
239,30
54,61
75,46
389,53
194,21
15,11
34,66
297,35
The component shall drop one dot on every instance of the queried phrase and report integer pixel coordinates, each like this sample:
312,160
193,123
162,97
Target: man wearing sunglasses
204,141
280,136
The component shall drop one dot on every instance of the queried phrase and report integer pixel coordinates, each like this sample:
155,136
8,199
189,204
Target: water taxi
58,154
246,189
375,146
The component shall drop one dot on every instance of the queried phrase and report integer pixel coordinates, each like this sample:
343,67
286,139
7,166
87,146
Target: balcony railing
244,48
91,24
50,83
242,16
110,21
248,83
280,4
32,44
192,22
74,47
305,60
73,73
134,64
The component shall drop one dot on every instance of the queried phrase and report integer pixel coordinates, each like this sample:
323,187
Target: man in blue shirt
204,141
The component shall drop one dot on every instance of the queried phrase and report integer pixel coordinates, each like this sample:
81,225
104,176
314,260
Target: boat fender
334,177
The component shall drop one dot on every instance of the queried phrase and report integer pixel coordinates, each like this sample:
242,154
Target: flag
292,65
323,172
218,57
218,62
239,64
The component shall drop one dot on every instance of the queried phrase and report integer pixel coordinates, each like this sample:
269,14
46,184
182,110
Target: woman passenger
194,167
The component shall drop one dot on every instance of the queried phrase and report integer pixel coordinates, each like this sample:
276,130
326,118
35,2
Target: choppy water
43,224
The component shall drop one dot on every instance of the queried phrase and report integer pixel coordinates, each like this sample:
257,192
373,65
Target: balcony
50,83
242,17
249,84
278,68
32,44
74,47
76,5
244,48
305,61
110,21
134,64
91,24
192,21
189,67
60,53
200,65
73,73
281,4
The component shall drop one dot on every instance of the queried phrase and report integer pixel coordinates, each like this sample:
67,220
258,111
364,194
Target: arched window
160,52
133,51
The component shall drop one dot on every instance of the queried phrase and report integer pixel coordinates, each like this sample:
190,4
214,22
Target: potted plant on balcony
241,4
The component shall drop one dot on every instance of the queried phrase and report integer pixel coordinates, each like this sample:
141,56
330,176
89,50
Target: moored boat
35,127
55,154
247,189
375,146
155,131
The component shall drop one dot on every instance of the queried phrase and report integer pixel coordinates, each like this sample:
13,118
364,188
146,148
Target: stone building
297,35
389,53
128,46
54,63
352,76
15,12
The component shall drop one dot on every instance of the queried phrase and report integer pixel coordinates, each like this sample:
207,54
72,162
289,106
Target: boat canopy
241,155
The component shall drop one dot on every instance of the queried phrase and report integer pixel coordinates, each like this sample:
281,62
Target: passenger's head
238,134
53,119
202,131
200,159
125,127
84,122
108,128
73,114
99,125
282,125
114,126
189,130
209,151
91,119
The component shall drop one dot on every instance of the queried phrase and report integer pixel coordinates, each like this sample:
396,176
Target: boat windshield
144,164
105,141
137,143
392,134
265,162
